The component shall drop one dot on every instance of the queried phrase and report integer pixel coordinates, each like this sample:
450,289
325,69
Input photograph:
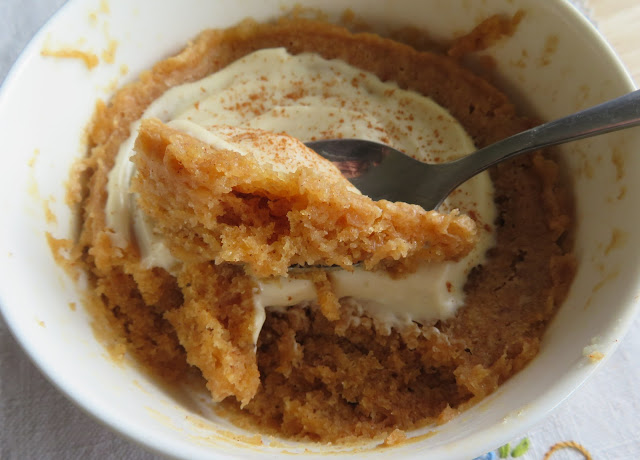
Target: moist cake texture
278,205
271,211
330,375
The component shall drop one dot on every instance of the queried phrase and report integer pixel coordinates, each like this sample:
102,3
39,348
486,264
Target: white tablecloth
37,422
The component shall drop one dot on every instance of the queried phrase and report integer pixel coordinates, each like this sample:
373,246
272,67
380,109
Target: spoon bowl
384,173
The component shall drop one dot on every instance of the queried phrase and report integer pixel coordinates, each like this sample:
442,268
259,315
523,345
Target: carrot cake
197,197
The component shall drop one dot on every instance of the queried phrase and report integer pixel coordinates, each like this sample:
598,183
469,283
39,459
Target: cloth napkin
37,422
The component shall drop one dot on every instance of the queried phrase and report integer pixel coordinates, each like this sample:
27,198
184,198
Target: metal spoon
382,172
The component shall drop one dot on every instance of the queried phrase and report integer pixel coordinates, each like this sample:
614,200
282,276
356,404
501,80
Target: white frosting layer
311,98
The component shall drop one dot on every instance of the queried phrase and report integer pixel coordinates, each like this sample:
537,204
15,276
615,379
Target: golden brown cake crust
335,380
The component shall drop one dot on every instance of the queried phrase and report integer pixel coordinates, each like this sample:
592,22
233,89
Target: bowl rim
566,386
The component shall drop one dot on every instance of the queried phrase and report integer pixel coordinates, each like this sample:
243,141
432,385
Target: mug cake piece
265,200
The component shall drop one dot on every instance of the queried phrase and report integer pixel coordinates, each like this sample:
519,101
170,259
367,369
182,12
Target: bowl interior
554,64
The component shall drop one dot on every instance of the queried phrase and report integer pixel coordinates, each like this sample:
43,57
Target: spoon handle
620,113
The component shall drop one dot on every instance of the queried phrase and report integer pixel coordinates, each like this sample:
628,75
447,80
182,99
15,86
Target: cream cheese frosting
308,97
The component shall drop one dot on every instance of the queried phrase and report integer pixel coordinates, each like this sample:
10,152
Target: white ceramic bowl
45,104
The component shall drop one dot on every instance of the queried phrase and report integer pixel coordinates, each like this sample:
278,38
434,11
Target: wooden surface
619,22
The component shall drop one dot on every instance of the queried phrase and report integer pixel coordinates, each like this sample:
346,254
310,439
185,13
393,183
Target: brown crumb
595,356
49,215
62,251
90,59
447,414
396,437
550,47
109,54
485,34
